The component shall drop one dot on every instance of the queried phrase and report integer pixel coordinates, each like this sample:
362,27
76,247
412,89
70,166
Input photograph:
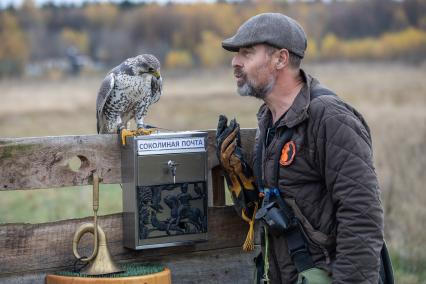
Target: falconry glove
238,174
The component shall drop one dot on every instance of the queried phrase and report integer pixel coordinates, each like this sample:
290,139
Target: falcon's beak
157,74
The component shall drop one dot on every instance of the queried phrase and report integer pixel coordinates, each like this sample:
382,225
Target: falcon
126,93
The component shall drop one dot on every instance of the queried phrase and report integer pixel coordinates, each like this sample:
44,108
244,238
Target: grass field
392,98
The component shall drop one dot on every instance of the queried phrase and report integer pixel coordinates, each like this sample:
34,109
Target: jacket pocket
316,237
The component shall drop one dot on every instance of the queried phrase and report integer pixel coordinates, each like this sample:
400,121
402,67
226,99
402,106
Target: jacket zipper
266,152
317,245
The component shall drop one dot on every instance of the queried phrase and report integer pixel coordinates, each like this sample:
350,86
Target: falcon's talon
126,133
144,131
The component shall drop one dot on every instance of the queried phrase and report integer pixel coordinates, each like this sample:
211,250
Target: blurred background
54,55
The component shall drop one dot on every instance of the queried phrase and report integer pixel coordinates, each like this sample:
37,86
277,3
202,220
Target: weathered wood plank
217,266
219,186
43,162
26,247
229,265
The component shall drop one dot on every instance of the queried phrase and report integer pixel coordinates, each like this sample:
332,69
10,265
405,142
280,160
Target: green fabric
314,276
130,269
266,260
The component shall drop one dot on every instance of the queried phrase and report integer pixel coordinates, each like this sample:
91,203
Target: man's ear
282,58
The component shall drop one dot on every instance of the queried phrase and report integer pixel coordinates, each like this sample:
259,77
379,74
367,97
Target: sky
16,3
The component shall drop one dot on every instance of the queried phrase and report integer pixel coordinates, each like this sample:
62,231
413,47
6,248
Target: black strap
296,242
298,249
258,161
386,270
260,268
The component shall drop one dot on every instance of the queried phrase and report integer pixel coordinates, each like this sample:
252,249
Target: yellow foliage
13,45
331,47
209,50
178,40
102,14
198,17
312,52
75,38
179,59
220,18
225,19
368,48
410,42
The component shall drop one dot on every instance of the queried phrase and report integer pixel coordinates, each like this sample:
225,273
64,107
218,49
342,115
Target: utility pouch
314,276
275,218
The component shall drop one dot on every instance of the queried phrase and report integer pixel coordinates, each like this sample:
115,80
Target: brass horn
100,262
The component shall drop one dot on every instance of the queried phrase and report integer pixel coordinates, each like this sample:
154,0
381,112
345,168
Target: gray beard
259,92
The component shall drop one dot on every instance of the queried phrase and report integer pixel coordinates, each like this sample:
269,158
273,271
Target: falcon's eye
151,70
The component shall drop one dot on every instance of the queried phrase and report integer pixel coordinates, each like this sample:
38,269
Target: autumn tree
13,46
77,39
209,51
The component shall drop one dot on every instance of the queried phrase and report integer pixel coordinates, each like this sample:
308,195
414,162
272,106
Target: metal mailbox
164,189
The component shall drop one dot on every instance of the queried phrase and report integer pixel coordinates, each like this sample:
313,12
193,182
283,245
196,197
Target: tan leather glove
237,172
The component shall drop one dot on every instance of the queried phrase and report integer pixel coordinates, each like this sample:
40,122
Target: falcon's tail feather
101,125
98,127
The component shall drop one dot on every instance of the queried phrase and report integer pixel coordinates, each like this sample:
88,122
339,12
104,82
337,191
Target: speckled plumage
127,92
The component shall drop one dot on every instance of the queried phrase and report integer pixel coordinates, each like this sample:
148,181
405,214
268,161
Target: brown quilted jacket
331,185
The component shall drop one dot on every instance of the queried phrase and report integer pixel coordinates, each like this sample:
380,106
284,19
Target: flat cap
274,29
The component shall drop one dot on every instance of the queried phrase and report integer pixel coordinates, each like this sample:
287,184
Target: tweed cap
274,29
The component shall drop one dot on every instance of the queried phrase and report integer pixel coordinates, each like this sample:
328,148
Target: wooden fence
29,251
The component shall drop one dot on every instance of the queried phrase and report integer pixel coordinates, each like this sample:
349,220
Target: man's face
254,71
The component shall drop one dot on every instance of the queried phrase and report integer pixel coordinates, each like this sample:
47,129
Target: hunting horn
100,262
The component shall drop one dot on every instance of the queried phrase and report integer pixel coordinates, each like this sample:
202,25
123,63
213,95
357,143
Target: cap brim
230,45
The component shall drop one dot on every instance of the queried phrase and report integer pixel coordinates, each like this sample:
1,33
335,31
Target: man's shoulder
323,101
330,111
325,104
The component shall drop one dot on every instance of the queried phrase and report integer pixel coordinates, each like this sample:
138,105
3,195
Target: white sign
170,145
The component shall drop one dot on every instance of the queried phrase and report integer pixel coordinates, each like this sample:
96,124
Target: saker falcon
127,92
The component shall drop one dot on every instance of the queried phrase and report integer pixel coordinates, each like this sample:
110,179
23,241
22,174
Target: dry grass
67,106
392,97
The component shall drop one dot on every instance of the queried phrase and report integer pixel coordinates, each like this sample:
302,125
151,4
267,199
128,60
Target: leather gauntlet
238,174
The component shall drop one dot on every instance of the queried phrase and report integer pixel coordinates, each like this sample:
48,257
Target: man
325,171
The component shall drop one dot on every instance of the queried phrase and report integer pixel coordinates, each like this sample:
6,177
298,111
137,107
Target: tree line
188,35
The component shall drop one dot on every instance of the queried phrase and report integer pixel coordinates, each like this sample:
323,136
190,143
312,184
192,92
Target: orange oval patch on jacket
287,153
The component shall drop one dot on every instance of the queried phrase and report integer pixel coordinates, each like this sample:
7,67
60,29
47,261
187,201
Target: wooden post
219,186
